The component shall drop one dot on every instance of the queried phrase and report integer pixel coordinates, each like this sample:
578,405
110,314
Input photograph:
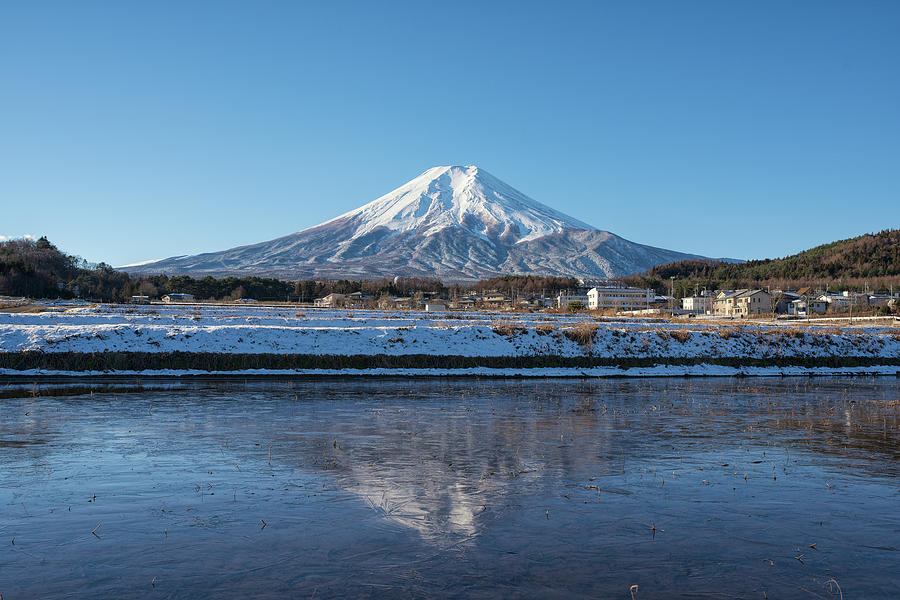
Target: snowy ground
260,329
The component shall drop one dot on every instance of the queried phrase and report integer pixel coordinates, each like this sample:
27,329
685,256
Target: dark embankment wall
141,361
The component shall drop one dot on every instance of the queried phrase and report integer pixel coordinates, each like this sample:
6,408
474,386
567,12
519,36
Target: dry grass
23,308
726,333
682,335
545,329
508,328
792,332
582,334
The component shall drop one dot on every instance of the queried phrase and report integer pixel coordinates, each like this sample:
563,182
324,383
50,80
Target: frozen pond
722,488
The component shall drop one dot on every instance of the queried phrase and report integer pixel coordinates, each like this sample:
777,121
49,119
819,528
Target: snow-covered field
260,329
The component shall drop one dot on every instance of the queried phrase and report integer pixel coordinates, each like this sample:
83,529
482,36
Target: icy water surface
453,488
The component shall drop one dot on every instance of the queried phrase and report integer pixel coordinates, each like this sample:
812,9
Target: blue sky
131,131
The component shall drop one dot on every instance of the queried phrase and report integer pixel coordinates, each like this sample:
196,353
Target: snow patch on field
251,329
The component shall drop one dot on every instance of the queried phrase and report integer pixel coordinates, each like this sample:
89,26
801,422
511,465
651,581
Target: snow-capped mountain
454,223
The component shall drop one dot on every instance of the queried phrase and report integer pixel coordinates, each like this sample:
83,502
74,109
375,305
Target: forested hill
872,258
38,269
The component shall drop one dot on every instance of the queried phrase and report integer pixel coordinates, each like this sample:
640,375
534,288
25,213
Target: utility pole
852,302
672,288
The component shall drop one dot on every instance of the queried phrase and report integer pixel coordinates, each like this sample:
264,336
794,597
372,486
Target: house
169,298
357,300
800,307
619,298
462,303
783,300
140,299
879,299
663,301
435,307
742,303
698,305
389,302
843,301
494,300
330,301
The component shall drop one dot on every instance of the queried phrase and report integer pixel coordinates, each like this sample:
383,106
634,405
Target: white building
619,298
564,300
799,307
698,305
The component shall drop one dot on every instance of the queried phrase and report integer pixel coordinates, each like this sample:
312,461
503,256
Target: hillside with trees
870,259
38,269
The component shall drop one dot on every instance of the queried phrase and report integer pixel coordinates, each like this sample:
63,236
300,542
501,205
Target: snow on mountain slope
465,197
451,222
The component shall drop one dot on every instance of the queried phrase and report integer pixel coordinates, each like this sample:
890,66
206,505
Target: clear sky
139,130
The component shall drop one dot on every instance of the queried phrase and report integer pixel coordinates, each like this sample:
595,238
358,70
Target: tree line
38,269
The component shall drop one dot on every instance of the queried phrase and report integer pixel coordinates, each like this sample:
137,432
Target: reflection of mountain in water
440,472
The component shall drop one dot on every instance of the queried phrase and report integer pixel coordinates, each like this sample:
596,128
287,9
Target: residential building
879,299
742,303
168,298
140,299
783,300
843,301
462,303
395,302
494,300
698,305
800,307
357,300
330,301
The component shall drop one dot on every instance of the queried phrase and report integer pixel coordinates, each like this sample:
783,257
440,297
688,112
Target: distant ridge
451,222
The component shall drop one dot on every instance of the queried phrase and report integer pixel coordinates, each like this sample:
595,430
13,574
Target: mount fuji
455,223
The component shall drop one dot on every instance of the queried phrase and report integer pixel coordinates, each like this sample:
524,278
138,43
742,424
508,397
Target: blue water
689,488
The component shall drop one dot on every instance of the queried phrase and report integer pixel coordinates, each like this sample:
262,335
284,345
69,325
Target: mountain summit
452,222
466,197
